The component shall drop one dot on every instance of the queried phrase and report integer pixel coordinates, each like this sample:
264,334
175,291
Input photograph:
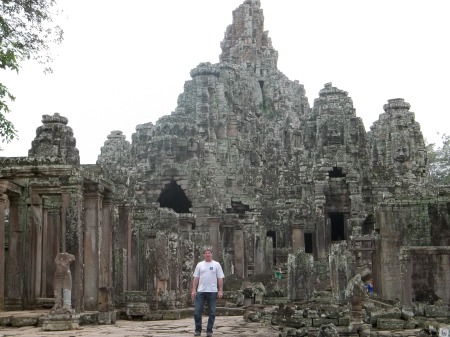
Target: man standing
207,286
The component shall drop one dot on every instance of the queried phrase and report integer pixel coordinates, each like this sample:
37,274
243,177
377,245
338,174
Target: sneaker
198,333
209,334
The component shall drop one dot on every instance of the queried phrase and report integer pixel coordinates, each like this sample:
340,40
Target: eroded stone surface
225,326
245,165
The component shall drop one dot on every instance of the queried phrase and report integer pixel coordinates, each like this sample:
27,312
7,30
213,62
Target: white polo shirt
208,273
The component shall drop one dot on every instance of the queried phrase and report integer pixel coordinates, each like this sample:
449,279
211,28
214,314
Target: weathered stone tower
244,165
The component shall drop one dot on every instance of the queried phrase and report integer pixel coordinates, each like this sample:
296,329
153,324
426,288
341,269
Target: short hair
207,249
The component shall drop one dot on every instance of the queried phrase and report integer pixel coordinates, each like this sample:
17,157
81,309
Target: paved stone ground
224,326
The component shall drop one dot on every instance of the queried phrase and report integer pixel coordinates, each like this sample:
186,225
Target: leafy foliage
25,33
439,161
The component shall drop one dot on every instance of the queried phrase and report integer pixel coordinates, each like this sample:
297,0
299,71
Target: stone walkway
225,326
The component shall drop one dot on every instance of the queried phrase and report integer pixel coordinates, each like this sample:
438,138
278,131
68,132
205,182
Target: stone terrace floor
224,326
231,326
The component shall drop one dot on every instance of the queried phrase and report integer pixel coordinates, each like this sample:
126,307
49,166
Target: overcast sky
125,63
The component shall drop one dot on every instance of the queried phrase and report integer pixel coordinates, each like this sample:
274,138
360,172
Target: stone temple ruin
244,164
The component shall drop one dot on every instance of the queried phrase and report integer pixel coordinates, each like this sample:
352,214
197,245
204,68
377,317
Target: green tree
439,161
26,32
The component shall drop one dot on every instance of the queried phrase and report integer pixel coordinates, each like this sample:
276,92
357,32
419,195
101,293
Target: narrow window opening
261,85
308,243
336,173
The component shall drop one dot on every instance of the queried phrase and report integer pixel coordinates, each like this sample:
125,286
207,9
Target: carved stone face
334,135
401,152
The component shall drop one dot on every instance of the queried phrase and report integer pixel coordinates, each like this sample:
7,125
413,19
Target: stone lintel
40,171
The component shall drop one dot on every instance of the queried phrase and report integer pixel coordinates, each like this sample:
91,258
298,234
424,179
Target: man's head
207,254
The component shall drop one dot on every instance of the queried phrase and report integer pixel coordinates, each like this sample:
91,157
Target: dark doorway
308,243
368,225
172,196
274,238
337,226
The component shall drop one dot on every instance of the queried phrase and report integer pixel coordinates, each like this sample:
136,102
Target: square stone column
3,199
239,252
14,273
406,274
320,238
261,254
122,241
36,245
92,223
65,204
11,280
105,277
74,241
214,237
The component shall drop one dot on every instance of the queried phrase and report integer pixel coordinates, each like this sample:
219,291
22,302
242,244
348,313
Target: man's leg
212,302
199,304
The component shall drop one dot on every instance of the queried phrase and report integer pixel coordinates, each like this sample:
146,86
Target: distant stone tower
243,165
398,151
115,159
55,141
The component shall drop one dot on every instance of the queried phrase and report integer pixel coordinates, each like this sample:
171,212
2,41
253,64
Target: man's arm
220,286
194,287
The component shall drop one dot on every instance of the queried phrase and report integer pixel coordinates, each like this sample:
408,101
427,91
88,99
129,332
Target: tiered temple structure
244,165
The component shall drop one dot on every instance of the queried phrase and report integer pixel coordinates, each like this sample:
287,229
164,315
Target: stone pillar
121,237
105,277
300,276
342,264
186,222
127,242
92,221
260,253
269,253
298,238
161,260
104,297
133,260
406,274
36,245
214,237
53,243
389,252
14,275
3,199
72,210
239,249
320,220
175,270
47,254
320,238
65,203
